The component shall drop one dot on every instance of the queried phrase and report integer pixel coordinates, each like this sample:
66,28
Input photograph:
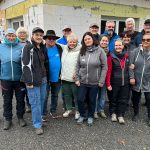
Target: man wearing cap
10,74
54,52
66,31
110,31
94,29
138,39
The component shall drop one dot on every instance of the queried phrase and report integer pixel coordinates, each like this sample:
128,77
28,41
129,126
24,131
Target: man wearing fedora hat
54,53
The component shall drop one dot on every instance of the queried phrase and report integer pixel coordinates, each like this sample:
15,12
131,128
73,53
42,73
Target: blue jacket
112,40
138,38
10,62
62,40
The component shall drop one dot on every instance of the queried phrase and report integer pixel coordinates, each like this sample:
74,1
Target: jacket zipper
142,75
87,69
12,65
122,70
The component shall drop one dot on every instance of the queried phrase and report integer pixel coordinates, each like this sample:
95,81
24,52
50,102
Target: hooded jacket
92,67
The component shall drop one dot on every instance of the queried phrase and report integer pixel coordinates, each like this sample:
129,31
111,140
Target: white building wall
55,17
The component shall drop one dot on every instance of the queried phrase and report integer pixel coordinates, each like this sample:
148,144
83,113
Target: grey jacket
141,71
92,67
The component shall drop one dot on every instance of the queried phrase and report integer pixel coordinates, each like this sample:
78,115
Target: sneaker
113,118
96,115
103,115
80,120
7,124
90,121
67,113
54,115
44,119
39,131
77,115
28,109
22,122
121,120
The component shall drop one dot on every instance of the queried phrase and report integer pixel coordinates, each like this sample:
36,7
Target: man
130,28
138,39
94,29
110,31
66,31
54,52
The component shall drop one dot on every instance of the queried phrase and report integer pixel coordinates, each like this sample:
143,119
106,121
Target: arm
77,81
109,71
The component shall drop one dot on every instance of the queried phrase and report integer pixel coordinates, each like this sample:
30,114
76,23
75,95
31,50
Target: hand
132,66
132,81
73,77
109,88
100,85
77,83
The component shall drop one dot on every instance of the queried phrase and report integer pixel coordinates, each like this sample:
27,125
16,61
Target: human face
146,42
110,28
118,46
130,26
88,40
104,42
94,30
22,36
72,43
147,28
50,41
126,39
67,32
37,37
11,37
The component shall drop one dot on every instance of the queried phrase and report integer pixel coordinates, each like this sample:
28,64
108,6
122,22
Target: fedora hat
50,33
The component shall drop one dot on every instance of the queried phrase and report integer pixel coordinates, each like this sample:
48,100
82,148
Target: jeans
92,91
54,87
69,90
8,88
136,96
101,99
37,96
119,102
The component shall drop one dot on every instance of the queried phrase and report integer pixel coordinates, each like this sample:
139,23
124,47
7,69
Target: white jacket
69,61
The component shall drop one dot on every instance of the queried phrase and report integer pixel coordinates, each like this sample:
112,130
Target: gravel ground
65,134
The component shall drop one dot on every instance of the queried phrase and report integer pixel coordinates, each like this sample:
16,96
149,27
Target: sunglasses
145,40
51,38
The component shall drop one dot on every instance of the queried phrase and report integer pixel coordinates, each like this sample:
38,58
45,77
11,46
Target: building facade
54,14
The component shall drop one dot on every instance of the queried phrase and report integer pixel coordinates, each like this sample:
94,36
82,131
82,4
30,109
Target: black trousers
119,101
8,88
136,96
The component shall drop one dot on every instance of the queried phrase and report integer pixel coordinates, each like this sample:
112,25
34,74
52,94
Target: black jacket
31,64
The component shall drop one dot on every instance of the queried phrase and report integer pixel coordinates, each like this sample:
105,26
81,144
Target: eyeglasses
145,40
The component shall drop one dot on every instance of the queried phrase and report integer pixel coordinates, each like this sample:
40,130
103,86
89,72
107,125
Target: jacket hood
11,43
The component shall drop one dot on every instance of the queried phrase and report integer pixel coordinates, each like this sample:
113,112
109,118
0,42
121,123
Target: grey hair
72,36
130,20
119,40
22,29
110,21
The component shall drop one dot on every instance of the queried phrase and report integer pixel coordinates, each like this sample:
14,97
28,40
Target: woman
10,74
69,61
117,81
102,90
90,74
22,34
34,61
140,76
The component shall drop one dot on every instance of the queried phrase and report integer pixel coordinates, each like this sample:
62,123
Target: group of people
100,66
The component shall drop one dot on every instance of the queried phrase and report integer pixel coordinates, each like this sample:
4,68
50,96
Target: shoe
121,120
39,131
135,118
7,124
67,113
28,109
44,119
77,115
113,118
103,115
96,115
22,122
80,120
90,121
54,115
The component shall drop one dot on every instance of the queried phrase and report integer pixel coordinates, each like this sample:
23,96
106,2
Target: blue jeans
37,96
54,87
101,99
92,90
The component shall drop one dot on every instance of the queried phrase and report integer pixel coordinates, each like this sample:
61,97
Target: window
15,25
